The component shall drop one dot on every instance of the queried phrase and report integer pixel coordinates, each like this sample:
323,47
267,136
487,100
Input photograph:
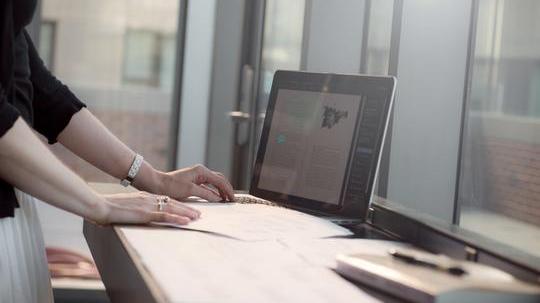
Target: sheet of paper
197,267
323,252
256,222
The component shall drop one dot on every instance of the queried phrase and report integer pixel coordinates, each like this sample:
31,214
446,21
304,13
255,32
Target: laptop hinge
370,214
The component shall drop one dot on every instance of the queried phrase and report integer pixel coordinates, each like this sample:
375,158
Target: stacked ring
161,202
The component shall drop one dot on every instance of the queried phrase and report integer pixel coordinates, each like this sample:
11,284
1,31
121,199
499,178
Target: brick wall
501,166
513,175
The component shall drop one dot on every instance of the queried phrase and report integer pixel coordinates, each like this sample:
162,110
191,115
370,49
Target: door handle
239,116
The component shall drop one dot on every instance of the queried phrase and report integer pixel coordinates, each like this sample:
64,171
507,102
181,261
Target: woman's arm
27,164
87,137
58,115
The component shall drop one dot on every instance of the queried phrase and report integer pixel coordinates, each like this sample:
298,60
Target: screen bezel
328,83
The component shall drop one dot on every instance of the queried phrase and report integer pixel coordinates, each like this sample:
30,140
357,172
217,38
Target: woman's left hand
147,205
195,181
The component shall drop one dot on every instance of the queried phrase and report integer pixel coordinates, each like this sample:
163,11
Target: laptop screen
321,141
308,144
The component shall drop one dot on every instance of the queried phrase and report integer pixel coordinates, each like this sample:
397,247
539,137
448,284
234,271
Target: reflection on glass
282,46
118,57
282,42
500,179
379,34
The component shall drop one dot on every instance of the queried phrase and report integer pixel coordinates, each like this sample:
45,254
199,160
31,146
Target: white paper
323,252
256,222
197,267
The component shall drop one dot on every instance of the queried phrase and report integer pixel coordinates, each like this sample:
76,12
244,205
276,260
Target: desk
124,273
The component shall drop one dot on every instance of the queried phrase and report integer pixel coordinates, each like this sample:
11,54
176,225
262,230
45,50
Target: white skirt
24,276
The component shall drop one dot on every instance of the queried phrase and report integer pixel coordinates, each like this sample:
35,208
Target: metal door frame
252,43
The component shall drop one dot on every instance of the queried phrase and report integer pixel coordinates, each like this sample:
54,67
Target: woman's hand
194,181
142,207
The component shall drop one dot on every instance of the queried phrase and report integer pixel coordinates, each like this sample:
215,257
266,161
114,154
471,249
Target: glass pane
140,57
379,34
281,49
119,58
282,44
325,44
500,181
46,43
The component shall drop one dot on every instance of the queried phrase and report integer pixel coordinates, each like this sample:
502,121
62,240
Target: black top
27,88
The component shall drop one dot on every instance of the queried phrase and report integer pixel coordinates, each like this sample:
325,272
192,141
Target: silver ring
161,202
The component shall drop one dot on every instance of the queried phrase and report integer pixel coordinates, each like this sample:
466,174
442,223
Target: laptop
321,143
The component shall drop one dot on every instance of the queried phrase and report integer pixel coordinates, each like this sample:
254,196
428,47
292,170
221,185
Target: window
148,58
119,58
47,39
141,57
499,189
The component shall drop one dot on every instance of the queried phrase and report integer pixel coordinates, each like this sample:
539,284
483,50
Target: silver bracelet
133,170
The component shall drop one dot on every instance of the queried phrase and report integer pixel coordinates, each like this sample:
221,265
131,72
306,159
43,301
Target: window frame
433,234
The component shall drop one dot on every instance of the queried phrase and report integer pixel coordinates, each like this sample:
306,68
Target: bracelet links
133,170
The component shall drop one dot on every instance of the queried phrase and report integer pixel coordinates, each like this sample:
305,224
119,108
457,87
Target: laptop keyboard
249,199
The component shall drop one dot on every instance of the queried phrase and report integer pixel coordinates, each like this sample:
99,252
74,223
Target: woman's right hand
142,207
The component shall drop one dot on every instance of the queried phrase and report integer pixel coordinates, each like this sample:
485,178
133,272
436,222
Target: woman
31,96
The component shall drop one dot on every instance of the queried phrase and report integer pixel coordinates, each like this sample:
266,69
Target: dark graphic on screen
331,116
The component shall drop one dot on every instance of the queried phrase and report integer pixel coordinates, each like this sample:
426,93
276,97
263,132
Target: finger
224,194
222,184
164,217
121,214
212,189
180,209
204,193
183,205
230,192
218,173
172,206
204,175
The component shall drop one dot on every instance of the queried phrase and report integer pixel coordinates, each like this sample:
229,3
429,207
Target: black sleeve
8,113
54,104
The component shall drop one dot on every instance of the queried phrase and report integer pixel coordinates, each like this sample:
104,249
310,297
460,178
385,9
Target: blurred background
185,82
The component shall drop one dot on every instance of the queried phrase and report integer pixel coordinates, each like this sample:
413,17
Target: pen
408,258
